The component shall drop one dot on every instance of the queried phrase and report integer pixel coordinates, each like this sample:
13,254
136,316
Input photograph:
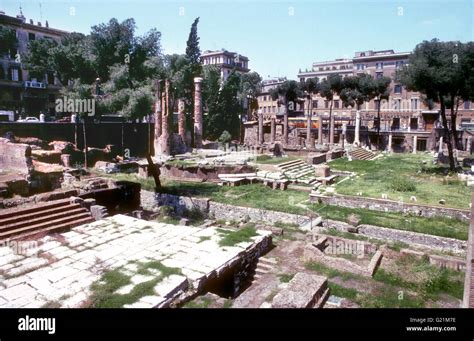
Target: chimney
31,22
39,23
47,24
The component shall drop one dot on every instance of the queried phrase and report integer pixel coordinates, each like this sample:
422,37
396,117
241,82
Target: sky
279,37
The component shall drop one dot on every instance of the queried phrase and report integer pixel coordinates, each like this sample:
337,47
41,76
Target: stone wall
390,206
218,211
15,157
202,172
408,237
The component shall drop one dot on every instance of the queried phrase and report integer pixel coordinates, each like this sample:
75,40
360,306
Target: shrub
402,184
225,137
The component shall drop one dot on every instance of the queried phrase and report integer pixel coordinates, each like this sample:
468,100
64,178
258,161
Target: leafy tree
381,92
329,88
442,71
250,87
8,41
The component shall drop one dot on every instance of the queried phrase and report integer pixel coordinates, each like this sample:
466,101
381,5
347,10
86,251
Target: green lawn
259,196
401,176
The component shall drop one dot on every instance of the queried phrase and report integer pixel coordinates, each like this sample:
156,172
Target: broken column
415,141
331,129
181,120
357,129
344,135
320,129
272,130
285,128
260,127
469,144
165,134
440,148
197,113
157,116
308,131
389,147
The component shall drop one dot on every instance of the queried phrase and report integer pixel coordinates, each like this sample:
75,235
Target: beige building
20,91
226,62
403,116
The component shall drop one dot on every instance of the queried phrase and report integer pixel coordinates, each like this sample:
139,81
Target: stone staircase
298,171
263,267
361,154
54,216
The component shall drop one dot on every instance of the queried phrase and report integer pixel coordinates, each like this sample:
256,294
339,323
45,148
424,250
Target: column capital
197,79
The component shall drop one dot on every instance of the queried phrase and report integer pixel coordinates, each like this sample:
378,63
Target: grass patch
340,291
201,302
330,272
104,290
285,278
203,239
402,176
231,238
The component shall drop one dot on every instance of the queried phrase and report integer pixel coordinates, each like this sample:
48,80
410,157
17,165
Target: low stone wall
390,206
408,237
205,173
442,262
151,201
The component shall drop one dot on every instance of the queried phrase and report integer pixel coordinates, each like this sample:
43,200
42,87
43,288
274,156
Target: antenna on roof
41,12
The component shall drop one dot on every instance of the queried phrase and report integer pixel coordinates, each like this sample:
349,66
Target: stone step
11,212
268,260
66,212
289,163
293,166
29,216
60,223
56,228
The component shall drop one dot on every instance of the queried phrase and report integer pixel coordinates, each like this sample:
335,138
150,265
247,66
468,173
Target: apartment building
225,61
404,115
21,92
266,105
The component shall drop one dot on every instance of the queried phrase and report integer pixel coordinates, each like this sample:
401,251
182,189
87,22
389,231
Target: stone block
303,291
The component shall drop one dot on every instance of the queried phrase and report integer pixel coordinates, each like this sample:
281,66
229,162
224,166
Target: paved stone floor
61,268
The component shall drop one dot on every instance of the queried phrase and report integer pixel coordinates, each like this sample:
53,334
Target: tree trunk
452,165
85,141
454,132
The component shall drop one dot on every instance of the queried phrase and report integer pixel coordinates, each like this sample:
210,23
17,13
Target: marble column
415,142
157,117
320,129
389,147
272,130
469,144
331,129
165,134
308,131
343,136
357,129
197,113
181,120
260,128
440,147
285,128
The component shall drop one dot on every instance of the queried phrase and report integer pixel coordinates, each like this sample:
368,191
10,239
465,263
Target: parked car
64,120
29,120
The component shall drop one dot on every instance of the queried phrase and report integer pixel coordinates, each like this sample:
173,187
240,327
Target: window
315,104
378,75
414,123
31,36
264,98
15,75
379,66
377,104
396,123
274,108
326,104
467,105
399,63
398,89
336,104
414,104
397,104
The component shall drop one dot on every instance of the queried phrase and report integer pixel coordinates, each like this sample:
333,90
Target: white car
29,120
